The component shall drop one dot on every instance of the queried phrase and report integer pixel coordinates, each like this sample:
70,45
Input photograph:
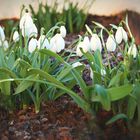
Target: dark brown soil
60,120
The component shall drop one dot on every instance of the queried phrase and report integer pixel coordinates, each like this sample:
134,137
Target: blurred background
103,11
11,8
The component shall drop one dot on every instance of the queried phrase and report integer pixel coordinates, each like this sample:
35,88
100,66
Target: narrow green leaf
117,117
104,97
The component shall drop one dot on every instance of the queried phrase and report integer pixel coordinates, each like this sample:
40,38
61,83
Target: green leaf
131,107
115,80
25,84
117,93
81,103
52,54
81,82
103,96
117,117
5,86
45,75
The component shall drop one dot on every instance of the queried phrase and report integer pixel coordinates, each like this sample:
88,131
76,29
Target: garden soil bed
60,120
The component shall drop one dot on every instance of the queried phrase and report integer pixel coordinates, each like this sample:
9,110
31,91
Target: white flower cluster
29,29
3,41
95,43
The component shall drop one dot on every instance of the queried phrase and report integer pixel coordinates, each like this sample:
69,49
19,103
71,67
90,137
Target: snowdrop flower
121,35
29,30
111,44
85,45
43,42
2,35
103,72
132,51
76,64
95,43
5,45
57,43
15,36
32,45
26,18
27,26
63,31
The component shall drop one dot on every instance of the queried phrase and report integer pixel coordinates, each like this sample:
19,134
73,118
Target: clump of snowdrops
31,71
113,85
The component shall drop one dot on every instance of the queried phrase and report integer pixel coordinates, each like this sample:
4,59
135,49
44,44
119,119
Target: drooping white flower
121,35
5,45
76,64
95,43
15,36
111,44
27,26
132,51
43,42
57,43
2,35
85,45
32,45
29,31
63,31
25,20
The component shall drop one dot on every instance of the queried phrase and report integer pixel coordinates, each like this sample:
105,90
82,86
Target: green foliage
73,17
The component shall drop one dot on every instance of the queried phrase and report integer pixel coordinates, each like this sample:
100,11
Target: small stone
44,120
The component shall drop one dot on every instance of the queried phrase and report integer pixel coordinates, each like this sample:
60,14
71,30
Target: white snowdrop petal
57,43
86,44
27,26
43,42
63,31
119,35
132,51
32,45
33,31
91,73
125,37
103,72
78,51
15,36
95,43
25,20
2,35
5,45
111,44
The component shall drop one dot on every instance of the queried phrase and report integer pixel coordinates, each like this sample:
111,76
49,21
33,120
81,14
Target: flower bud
111,44
132,51
63,31
57,43
32,45
121,35
95,43
15,36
